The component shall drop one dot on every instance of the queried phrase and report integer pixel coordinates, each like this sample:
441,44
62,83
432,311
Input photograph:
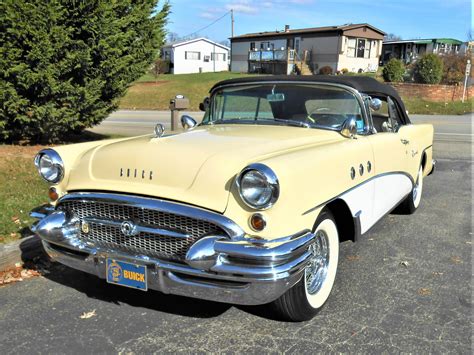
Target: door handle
404,141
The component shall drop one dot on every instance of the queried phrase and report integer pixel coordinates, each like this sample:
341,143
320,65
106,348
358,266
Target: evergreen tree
64,64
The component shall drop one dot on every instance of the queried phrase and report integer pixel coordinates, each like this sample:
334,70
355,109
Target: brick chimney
287,28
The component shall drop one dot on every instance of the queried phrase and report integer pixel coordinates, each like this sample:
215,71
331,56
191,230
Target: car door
391,148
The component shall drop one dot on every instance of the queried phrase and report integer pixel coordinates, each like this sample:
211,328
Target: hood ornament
159,130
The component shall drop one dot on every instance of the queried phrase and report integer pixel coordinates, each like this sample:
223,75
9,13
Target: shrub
428,69
393,71
326,70
344,70
64,64
454,68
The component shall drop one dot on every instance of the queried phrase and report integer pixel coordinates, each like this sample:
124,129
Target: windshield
315,106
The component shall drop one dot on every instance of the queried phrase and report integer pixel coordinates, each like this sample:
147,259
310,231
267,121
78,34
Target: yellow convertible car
250,205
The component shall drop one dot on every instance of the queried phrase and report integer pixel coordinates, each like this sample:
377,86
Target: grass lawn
423,107
21,188
150,94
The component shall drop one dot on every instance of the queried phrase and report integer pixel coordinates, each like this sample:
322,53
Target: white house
198,55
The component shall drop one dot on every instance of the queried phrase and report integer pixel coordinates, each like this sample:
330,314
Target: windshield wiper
293,122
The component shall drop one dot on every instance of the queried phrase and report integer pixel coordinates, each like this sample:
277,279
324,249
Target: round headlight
50,165
258,186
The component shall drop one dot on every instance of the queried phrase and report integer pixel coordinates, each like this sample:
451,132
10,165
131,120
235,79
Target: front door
392,159
298,46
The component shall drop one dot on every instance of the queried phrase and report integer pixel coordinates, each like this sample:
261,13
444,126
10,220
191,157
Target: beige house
355,47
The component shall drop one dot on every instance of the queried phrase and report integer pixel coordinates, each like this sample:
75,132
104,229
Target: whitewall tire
410,204
309,295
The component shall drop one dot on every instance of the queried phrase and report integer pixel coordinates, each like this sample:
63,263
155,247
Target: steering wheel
318,110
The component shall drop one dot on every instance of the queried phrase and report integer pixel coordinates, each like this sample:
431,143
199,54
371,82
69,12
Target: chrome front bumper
243,270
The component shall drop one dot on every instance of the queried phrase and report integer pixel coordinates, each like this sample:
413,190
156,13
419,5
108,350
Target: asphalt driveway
404,287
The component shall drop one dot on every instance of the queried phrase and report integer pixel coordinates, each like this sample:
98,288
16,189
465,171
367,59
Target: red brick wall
440,93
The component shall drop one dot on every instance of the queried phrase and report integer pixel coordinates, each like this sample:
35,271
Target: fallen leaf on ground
404,263
424,291
456,259
87,315
353,257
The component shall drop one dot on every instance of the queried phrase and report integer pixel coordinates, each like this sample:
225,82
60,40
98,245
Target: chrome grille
155,245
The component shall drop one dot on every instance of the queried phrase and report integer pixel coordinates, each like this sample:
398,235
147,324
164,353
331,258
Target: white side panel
389,191
361,201
376,197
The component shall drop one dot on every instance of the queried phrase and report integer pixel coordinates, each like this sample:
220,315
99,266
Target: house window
266,46
360,53
218,57
192,55
351,47
252,46
166,55
206,58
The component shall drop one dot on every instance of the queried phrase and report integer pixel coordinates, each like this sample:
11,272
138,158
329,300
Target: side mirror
188,122
204,104
375,104
349,128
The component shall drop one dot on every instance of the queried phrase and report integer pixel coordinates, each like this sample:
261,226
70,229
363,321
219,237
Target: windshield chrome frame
368,127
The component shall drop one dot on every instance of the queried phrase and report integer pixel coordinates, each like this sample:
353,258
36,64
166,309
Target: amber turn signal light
53,194
257,222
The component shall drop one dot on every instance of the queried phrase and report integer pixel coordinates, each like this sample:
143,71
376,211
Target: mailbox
177,104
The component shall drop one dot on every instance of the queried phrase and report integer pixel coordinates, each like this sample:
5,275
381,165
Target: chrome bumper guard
244,270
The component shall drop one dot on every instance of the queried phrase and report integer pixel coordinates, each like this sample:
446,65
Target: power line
209,25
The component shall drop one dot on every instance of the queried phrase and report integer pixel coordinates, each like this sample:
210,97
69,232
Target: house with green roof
411,49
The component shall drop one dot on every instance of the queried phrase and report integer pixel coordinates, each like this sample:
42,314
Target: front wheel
308,296
410,204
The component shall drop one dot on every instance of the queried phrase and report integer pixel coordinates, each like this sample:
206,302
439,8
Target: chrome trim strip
358,185
231,228
138,228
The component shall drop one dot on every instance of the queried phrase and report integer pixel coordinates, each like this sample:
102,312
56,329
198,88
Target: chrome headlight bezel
271,181
55,161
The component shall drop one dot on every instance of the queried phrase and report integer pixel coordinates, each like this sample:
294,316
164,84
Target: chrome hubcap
317,269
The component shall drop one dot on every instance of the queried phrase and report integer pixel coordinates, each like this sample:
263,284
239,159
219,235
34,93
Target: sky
406,18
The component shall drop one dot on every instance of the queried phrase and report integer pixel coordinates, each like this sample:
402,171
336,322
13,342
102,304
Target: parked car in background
248,207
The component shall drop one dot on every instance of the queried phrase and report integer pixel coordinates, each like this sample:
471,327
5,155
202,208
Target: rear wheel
410,204
308,296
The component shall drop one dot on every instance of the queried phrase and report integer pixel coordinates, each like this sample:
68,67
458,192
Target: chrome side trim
231,228
358,185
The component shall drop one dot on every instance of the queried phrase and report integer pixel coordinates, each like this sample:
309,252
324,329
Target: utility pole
232,22
231,35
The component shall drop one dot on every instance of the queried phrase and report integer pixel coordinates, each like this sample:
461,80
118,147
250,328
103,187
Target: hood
196,167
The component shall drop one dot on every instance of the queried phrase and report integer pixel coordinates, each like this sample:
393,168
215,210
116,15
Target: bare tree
392,37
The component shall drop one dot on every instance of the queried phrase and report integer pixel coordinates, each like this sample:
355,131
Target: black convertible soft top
362,84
